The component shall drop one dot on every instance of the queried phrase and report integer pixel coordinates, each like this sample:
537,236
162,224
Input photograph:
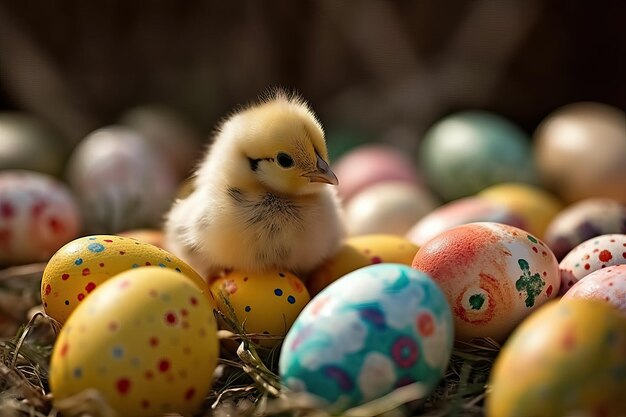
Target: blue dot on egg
117,352
96,247
78,372
291,299
78,261
248,309
278,292
162,265
135,265
92,238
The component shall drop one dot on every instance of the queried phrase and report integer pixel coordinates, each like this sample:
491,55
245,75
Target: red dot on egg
90,287
193,301
535,249
65,277
170,318
113,326
123,385
80,296
145,404
122,252
184,312
190,393
587,266
86,272
154,341
101,264
64,349
7,210
48,289
108,240
549,291
605,256
148,264
148,375
164,365
376,260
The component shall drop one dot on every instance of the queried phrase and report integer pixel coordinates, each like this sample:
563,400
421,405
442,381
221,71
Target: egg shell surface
262,302
566,359
359,251
493,276
590,256
80,266
38,215
146,340
583,220
607,284
376,329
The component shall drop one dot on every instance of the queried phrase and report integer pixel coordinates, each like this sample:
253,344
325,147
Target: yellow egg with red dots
80,266
261,302
146,340
359,251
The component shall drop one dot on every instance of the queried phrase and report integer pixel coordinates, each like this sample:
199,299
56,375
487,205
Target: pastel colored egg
121,180
368,164
359,251
536,206
566,359
466,152
580,151
583,220
146,340
261,302
493,276
372,331
387,207
462,211
38,215
590,256
607,284
83,264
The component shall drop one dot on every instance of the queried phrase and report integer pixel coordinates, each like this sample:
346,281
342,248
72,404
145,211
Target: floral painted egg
359,251
583,220
82,265
38,215
462,211
374,330
607,284
493,276
146,340
590,256
566,359
261,302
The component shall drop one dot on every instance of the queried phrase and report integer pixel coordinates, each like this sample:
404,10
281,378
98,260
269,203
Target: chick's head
282,146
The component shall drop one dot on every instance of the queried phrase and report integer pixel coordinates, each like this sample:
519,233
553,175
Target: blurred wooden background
388,68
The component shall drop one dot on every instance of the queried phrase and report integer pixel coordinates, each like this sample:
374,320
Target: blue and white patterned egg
372,331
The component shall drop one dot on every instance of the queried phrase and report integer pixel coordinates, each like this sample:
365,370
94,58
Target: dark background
383,69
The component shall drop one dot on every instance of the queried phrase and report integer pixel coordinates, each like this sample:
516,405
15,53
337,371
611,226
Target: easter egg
583,220
146,340
122,181
580,151
80,266
534,205
368,164
493,276
566,359
154,237
462,211
374,330
590,256
38,215
607,284
466,152
359,251
387,207
261,302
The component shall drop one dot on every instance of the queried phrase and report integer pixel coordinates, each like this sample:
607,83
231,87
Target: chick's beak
323,173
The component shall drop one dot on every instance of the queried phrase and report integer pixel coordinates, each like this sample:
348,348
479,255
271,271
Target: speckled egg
462,211
261,302
466,152
359,251
146,340
387,207
38,215
590,256
82,265
583,220
607,284
566,359
536,206
493,276
154,237
376,329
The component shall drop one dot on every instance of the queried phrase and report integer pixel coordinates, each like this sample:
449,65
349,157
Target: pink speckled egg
372,163
608,284
462,211
590,256
493,276
583,220
38,215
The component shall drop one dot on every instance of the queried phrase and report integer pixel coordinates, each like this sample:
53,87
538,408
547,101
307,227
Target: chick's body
261,199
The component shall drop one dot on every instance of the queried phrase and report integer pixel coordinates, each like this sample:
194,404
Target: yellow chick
262,198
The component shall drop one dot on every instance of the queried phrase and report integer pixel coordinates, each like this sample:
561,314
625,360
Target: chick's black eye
284,160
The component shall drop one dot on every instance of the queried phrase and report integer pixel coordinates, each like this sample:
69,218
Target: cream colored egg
146,340
82,265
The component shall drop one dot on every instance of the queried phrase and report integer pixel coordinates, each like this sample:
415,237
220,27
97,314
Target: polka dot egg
376,329
80,266
606,284
146,340
262,302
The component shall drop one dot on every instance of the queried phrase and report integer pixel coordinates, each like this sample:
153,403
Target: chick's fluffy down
263,197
